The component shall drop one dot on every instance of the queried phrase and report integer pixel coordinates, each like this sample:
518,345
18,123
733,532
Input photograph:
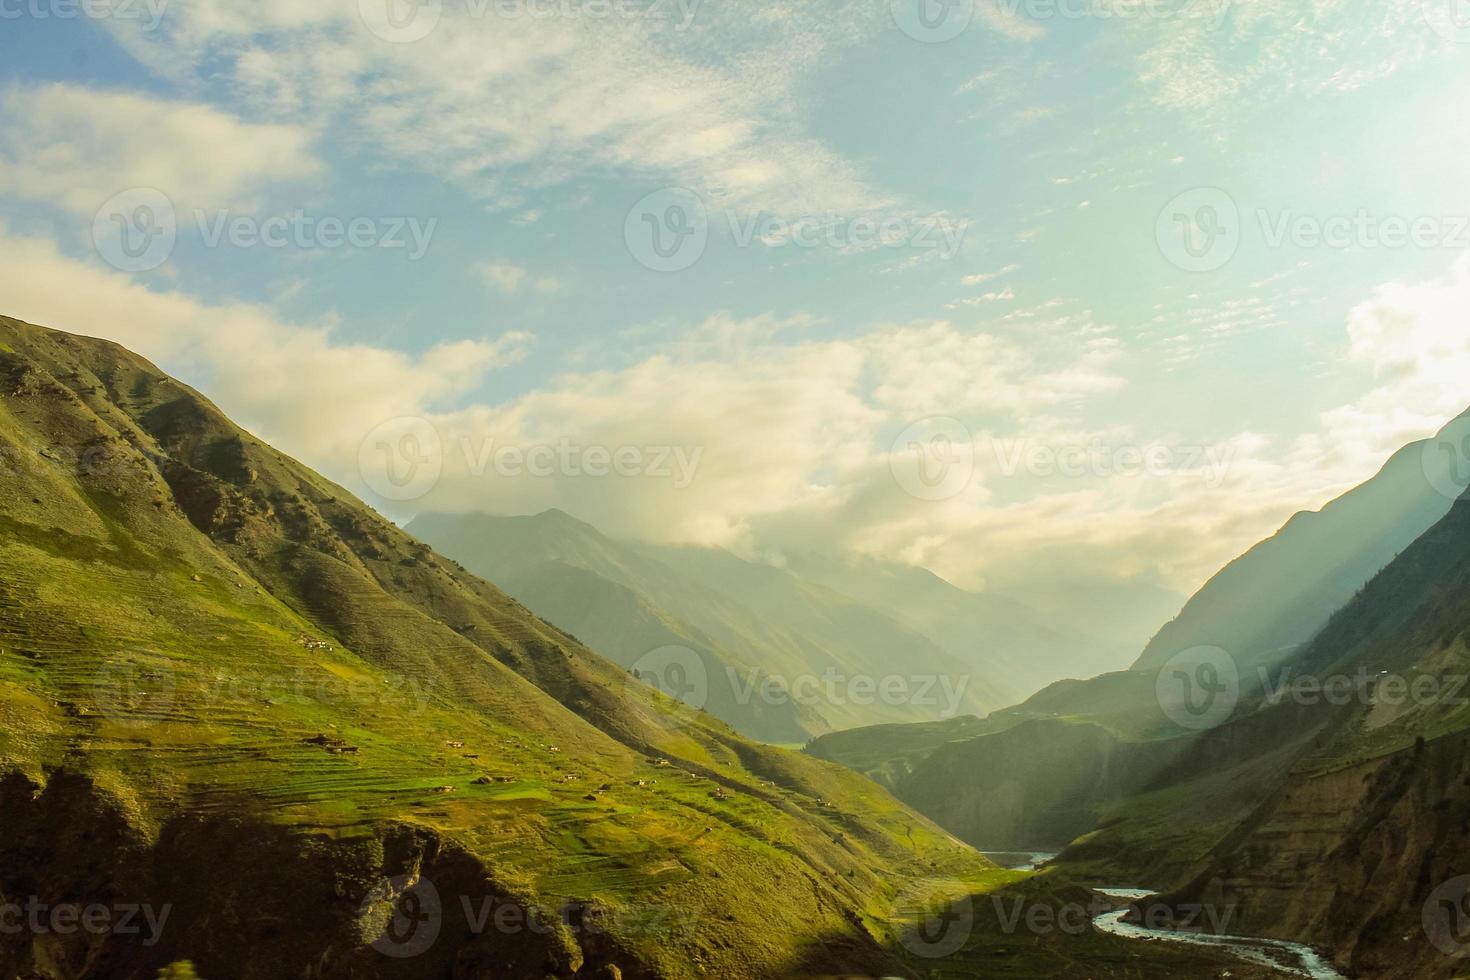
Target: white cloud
77,147
504,105
509,278
505,277
792,431
984,277
784,425
1221,56
299,386
1415,339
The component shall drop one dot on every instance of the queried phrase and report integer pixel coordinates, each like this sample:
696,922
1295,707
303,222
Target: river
1292,959
1020,860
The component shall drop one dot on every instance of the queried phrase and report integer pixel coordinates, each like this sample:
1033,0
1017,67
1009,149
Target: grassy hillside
202,628
230,691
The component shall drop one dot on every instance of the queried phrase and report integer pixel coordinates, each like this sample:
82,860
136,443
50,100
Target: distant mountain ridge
746,621
743,623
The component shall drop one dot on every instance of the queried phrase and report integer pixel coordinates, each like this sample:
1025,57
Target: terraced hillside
232,692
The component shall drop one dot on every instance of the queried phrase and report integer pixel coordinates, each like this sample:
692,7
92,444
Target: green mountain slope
237,699
268,701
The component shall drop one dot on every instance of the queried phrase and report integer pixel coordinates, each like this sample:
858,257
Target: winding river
1292,959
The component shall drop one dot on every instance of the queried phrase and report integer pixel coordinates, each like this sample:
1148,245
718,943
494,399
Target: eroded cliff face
241,898
1361,861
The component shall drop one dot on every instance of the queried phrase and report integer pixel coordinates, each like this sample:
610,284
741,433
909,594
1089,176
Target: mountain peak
555,515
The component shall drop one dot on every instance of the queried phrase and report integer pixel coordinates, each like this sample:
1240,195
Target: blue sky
1105,219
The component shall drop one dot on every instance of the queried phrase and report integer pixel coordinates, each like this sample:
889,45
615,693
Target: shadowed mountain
1360,846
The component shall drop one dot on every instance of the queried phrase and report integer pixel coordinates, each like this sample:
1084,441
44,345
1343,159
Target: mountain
1293,581
262,732
229,689
1326,803
1019,632
1031,777
763,641
745,624
1115,619
1290,584
1361,845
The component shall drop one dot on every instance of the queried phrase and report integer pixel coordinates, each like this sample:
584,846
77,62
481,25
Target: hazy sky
1130,281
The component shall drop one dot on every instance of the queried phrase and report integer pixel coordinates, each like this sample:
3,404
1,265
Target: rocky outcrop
1359,860
394,902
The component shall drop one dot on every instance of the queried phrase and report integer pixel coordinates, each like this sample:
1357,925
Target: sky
1018,290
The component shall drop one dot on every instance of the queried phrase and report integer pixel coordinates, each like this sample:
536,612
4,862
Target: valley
1321,805
734,490
279,718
